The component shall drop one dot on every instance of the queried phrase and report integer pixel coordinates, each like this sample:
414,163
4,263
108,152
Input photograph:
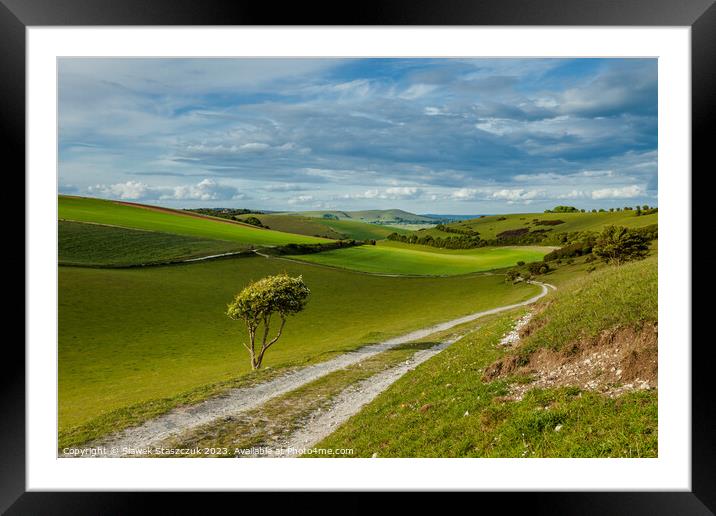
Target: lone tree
616,244
257,303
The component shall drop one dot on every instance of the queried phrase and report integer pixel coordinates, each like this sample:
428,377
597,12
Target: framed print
421,249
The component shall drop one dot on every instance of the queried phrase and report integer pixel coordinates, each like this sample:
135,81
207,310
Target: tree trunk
265,345
252,353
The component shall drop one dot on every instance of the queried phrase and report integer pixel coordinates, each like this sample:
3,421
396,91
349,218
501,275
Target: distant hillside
488,227
452,218
332,228
373,216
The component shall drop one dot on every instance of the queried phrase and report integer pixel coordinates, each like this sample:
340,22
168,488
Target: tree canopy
616,244
255,305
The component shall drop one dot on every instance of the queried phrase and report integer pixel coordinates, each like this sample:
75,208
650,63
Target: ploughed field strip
183,419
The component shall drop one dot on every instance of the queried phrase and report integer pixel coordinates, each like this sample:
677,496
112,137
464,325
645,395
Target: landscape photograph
357,258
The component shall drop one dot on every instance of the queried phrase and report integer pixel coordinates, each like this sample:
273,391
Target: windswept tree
256,305
616,244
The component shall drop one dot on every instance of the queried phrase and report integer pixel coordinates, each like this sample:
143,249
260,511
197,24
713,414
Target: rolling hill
490,226
326,228
97,245
152,218
373,216
128,336
405,259
573,386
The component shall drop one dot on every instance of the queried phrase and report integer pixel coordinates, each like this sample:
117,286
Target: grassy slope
371,215
112,213
334,229
606,298
97,245
489,226
363,230
129,335
444,409
395,258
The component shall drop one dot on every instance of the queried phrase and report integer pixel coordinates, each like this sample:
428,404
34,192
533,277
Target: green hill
93,245
152,218
373,216
490,226
405,259
597,330
326,228
137,335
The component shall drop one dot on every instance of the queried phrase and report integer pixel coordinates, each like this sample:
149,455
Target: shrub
617,244
512,275
536,268
562,209
254,221
510,233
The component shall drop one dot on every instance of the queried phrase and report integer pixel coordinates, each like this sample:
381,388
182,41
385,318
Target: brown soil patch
615,362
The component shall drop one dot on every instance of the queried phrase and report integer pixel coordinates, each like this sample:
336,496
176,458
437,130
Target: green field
109,246
326,228
445,408
396,258
100,211
131,335
488,227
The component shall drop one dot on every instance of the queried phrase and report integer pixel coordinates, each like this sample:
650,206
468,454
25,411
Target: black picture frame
17,15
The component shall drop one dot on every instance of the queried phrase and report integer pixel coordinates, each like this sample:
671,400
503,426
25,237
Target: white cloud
626,192
393,193
597,173
131,190
433,111
573,194
498,126
205,190
464,194
285,187
254,146
301,199
403,192
417,90
518,194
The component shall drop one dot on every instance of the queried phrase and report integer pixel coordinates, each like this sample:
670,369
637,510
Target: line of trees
639,210
456,242
293,248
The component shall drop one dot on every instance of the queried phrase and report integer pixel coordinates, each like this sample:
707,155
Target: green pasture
85,244
396,258
100,211
444,408
488,227
326,228
131,335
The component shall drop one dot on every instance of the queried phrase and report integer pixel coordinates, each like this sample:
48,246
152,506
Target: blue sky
460,136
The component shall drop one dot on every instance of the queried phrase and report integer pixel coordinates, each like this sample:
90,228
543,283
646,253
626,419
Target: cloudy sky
451,136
